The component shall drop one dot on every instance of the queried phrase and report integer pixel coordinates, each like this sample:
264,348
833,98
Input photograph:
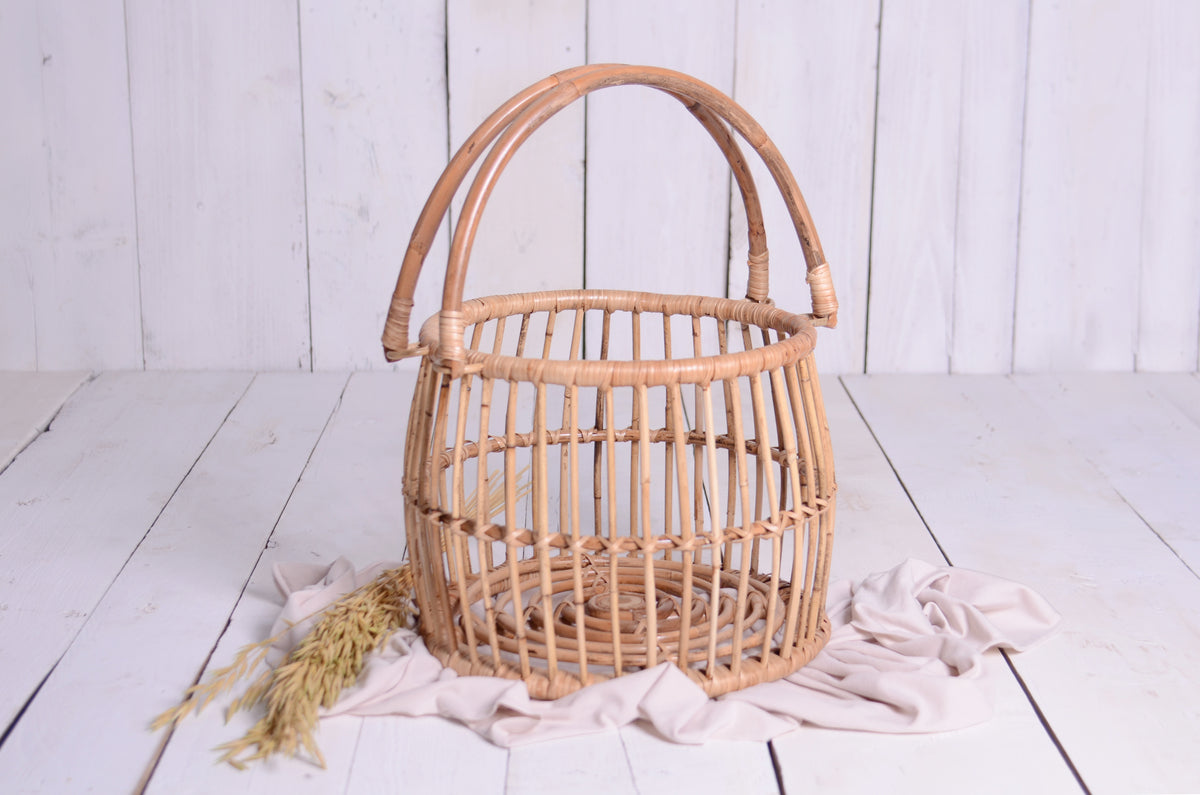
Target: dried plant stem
199,695
328,659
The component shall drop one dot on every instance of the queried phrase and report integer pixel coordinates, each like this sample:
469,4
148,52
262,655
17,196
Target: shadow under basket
599,481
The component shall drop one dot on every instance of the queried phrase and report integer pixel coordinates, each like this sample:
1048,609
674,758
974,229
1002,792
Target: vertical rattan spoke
548,341
541,497
483,508
649,583
439,477
614,555
576,551
792,457
800,422
739,448
685,520
512,544
697,451
458,547
603,420
669,444
814,414
714,598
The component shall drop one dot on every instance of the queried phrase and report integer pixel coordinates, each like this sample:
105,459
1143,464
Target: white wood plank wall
1000,186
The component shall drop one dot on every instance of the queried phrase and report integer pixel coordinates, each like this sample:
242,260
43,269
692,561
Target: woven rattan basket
669,498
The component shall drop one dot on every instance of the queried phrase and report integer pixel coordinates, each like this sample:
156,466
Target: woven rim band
443,333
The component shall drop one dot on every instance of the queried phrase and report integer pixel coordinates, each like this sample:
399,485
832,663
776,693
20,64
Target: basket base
594,632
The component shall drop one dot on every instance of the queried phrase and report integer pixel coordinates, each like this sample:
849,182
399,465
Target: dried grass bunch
328,659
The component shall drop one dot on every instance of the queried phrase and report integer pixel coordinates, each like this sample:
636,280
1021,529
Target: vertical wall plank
1106,277
947,181
1169,298
531,233
25,203
374,78
806,71
87,300
215,90
1082,186
991,116
80,252
657,187
916,162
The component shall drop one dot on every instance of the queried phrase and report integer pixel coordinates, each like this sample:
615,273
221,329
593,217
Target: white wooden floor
138,530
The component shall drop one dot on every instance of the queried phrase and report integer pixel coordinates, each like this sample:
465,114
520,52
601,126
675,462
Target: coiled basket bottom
615,624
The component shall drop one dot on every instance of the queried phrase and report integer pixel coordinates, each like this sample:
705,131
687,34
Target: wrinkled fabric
905,655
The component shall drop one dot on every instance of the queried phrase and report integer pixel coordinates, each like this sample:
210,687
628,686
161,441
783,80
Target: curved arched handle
515,121
396,329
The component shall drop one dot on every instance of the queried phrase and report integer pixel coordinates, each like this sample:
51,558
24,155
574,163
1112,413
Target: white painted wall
1006,185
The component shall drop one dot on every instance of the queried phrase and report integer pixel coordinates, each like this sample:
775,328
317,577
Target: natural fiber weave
681,487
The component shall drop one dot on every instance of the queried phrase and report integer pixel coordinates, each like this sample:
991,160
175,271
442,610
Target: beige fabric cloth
905,656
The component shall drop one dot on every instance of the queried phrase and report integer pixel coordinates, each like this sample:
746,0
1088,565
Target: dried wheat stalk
327,660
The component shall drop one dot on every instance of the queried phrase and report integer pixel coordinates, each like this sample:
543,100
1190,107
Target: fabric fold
905,656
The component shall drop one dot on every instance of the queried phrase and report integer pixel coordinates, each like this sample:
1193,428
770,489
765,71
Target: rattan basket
669,498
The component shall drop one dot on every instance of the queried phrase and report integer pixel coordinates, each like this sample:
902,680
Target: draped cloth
905,655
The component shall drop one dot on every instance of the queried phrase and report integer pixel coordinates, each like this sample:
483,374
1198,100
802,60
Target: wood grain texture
1009,753
79,500
74,245
28,402
591,764
1082,184
806,71
374,141
878,528
410,755
947,175
916,187
1178,389
1003,491
531,235
215,92
1012,474
1168,330
991,125
657,187
177,589
25,206
715,768
1034,219
1149,452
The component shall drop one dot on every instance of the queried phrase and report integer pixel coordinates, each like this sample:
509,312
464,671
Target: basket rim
799,343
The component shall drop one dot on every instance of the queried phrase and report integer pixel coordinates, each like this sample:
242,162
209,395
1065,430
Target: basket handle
396,329
515,121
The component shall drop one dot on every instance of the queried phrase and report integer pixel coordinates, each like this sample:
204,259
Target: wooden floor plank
877,527
145,641
592,764
1004,492
347,503
77,502
986,459
1147,448
424,755
1181,389
988,758
714,768
28,402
